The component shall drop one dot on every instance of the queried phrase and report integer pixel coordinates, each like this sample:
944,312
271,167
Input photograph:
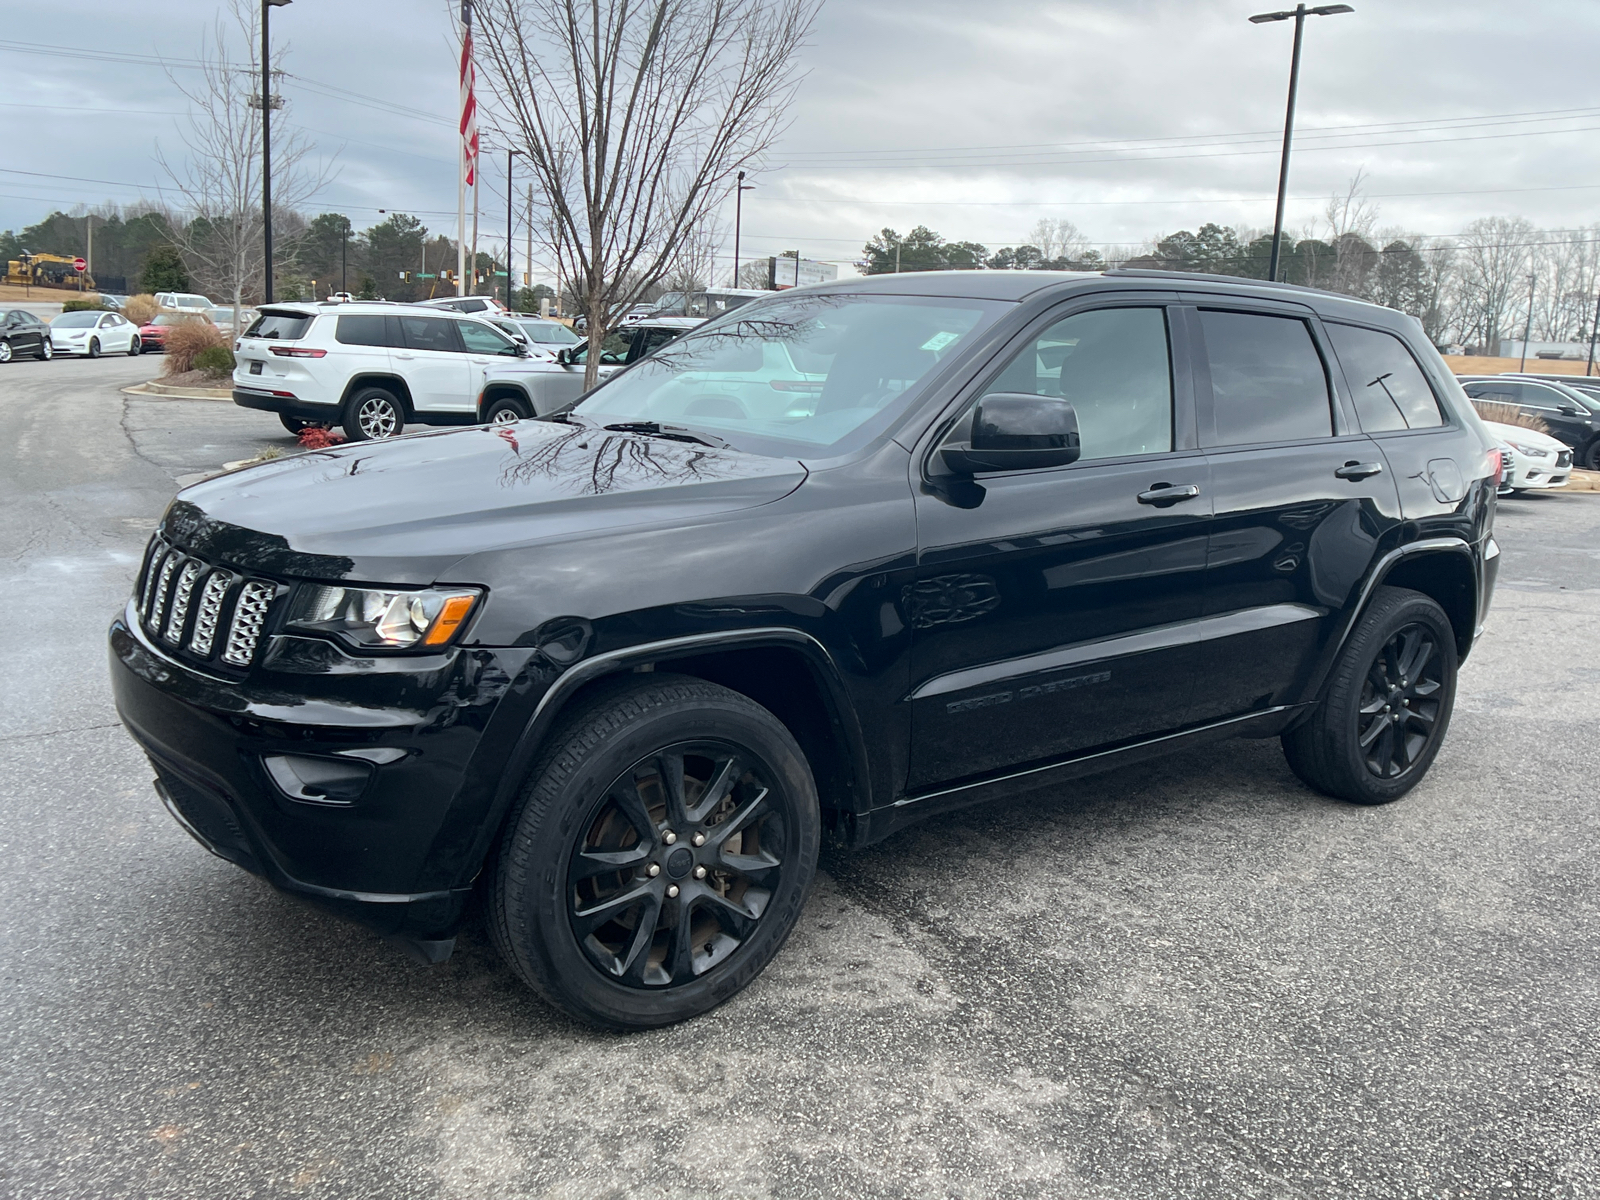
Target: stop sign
79,265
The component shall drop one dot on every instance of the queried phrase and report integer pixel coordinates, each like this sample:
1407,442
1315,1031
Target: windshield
75,320
549,333
797,375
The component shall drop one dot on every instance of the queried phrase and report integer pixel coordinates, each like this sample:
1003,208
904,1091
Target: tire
1327,749
604,760
1591,456
47,351
135,347
294,424
505,410
373,414
94,347
5,352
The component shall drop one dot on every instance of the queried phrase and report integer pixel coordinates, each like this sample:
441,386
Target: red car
154,335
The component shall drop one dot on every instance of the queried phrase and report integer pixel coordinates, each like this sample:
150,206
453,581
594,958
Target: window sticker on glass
939,341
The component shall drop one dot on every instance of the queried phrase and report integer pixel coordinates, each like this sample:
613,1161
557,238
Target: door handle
405,356
1359,470
1163,494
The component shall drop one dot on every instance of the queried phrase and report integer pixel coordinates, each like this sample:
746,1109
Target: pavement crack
44,733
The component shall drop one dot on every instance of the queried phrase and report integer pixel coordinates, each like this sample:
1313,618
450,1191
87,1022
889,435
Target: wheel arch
497,389
379,379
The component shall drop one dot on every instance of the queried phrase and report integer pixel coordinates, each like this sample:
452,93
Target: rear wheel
135,346
1387,704
507,409
659,854
373,414
94,347
1591,456
5,352
294,424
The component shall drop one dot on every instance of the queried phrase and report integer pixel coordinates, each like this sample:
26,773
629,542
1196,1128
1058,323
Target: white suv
372,367
184,302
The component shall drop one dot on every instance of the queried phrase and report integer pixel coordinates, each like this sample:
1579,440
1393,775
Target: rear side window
280,327
429,333
1268,383
1390,389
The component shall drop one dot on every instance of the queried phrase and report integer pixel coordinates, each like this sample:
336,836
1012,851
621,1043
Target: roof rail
1155,273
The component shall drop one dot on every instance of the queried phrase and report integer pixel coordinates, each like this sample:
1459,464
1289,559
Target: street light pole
1527,330
738,220
1299,13
1594,328
266,144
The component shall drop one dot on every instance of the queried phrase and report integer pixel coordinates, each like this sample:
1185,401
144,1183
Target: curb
153,388
1583,481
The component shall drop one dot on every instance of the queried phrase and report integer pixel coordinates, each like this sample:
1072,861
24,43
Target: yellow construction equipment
47,270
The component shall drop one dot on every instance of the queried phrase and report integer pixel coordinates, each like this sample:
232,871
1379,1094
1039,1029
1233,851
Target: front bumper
399,849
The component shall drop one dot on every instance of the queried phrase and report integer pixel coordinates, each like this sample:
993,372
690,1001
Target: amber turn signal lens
449,620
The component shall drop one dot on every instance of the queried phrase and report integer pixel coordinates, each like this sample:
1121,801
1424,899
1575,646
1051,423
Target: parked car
546,336
1570,415
112,301
369,366
543,384
25,334
621,669
1537,460
222,318
185,302
467,304
153,334
93,333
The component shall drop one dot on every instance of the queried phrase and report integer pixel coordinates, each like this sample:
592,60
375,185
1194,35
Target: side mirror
1013,431
1568,409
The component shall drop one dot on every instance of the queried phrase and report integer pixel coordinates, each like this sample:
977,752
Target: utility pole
88,253
1527,330
1594,327
1299,13
738,219
344,246
511,233
266,145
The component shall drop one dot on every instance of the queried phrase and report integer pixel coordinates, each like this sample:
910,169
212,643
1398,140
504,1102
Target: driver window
480,339
1114,365
613,350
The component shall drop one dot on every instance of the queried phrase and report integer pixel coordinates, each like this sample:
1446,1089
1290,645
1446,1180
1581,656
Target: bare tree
635,116
1493,255
1057,239
694,268
1351,218
219,179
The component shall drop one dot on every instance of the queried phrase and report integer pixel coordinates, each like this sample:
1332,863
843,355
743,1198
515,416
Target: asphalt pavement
1187,979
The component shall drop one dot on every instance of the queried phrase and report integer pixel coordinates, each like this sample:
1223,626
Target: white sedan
94,334
1537,459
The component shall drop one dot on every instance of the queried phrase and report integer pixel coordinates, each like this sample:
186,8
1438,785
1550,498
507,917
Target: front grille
199,609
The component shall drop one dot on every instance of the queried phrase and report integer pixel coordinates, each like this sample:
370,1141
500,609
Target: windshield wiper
676,432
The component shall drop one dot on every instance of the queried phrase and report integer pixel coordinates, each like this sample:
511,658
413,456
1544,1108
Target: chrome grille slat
158,550
249,614
158,602
178,613
210,611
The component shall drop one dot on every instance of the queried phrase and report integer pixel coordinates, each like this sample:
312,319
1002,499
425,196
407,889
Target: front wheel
46,350
135,347
94,347
659,855
373,414
506,410
5,352
1387,705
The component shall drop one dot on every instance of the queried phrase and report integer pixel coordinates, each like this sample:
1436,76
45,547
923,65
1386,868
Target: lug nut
699,872
655,869
669,837
673,891
698,839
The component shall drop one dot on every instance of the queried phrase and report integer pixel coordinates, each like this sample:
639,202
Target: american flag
469,103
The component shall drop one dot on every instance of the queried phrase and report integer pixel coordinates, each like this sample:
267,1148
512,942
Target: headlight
1530,451
381,619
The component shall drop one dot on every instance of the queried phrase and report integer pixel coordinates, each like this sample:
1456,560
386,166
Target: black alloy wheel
5,351
1386,706
506,410
1399,709
659,855
94,347
676,867
372,415
1591,456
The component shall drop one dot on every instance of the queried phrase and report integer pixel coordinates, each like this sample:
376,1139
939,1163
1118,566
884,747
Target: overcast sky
1131,118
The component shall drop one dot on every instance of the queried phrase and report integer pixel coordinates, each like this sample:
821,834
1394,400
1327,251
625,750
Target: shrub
141,309
319,437
85,304
186,340
1509,414
214,360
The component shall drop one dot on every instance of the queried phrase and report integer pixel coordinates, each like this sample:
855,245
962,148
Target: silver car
515,390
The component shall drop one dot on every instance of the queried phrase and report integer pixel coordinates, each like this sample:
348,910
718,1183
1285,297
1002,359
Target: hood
404,511
1522,433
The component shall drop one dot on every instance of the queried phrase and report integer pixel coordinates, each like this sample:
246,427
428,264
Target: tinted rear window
1391,392
281,327
429,333
1267,379
361,331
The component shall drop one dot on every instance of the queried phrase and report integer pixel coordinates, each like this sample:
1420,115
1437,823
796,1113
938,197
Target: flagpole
461,152
473,266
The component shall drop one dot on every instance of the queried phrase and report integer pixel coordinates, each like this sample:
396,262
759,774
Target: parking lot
1191,978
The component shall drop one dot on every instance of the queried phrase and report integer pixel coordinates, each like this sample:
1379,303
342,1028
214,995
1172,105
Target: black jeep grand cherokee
845,557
